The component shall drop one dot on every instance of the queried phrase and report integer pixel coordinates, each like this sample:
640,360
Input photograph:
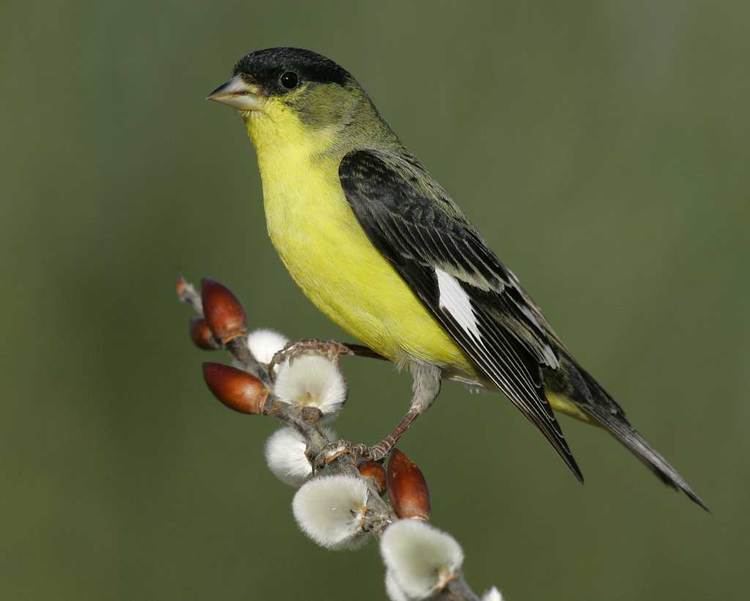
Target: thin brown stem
307,421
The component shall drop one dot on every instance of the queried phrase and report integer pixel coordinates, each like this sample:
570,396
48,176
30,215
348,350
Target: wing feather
415,225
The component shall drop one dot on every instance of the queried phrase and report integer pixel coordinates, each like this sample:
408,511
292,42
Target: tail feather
596,402
649,456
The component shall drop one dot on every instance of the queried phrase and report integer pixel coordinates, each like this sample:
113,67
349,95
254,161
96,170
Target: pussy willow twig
306,420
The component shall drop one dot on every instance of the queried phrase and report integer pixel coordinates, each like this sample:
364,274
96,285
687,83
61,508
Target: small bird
381,248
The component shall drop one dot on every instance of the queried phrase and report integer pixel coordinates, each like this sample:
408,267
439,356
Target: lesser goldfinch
380,247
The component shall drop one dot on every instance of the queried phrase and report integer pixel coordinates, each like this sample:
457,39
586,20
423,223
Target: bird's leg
426,381
331,349
425,389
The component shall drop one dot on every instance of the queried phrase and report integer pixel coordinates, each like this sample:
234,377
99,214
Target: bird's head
284,93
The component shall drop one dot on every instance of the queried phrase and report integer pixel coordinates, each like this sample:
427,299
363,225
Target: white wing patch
453,298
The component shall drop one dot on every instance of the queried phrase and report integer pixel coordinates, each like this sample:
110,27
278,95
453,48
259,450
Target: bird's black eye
289,80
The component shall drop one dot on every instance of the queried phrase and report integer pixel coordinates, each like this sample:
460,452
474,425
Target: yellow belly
329,256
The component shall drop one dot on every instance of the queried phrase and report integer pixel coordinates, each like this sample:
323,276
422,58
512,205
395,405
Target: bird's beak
239,94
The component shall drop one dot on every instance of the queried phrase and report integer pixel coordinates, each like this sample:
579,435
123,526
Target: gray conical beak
239,94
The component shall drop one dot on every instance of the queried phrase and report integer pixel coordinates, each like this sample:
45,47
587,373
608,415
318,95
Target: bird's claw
334,450
331,349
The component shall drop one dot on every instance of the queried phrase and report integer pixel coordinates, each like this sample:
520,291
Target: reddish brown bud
201,335
375,472
407,488
224,313
235,388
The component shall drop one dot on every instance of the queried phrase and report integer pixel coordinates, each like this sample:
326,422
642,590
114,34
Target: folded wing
411,220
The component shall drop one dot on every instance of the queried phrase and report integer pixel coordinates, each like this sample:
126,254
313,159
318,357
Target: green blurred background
602,147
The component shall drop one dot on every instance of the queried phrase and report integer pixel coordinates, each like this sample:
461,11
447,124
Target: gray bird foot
331,349
358,451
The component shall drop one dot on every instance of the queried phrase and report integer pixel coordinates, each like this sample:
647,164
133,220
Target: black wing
411,220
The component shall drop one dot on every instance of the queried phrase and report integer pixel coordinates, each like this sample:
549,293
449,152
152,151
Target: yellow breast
329,256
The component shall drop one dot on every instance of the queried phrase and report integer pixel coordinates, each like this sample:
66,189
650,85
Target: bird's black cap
266,66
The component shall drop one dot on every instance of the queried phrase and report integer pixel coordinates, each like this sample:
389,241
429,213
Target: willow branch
328,457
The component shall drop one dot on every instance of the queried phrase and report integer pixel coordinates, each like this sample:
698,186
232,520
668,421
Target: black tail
596,402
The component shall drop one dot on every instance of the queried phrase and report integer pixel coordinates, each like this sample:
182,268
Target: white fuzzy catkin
492,595
285,455
264,344
311,380
393,589
396,593
420,558
331,510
